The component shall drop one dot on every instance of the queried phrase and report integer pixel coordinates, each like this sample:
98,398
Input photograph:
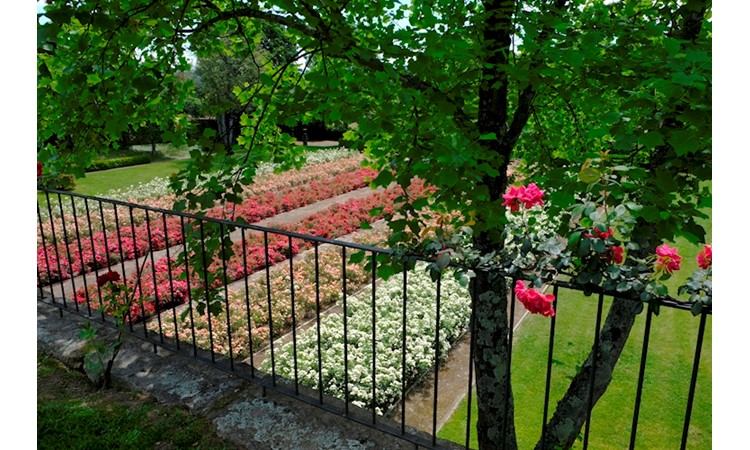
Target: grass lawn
71,414
98,183
667,377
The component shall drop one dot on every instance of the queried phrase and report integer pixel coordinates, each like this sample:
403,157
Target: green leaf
651,139
589,175
443,260
357,257
684,142
488,137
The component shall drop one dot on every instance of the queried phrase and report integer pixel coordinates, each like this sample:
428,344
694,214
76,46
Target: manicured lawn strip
82,260
71,414
97,183
420,334
669,366
668,370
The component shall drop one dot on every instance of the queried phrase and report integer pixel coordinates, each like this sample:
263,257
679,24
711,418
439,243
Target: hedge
123,161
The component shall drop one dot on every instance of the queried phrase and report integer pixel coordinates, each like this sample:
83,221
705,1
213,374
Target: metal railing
81,237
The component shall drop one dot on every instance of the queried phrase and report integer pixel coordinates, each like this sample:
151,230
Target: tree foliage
449,92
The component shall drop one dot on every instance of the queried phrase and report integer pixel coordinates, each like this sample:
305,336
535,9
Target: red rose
704,258
616,254
39,167
110,276
667,259
535,301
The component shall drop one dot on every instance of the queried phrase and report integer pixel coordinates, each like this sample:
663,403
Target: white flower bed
455,305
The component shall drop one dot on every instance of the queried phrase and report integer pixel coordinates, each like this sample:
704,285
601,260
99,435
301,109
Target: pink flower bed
333,222
95,252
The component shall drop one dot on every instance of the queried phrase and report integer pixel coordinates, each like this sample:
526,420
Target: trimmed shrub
123,161
62,182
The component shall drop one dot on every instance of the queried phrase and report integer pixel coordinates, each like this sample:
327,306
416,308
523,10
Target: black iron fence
297,314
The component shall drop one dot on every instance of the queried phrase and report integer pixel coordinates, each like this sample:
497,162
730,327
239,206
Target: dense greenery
448,92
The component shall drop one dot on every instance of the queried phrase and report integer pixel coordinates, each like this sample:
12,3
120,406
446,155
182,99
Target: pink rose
532,196
667,259
529,196
535,301
512,197
704,258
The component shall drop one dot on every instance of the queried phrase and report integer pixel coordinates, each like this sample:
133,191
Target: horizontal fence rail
298,314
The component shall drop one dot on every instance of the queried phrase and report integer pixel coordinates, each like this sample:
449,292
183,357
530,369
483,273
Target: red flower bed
101,254
336,221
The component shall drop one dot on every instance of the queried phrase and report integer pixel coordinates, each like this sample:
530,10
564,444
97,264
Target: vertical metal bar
171,283
437,362
510,356
122,259
187,280
46,253
80,256
93,249
157,308
593,371
270,308
208,295
226,294
403,352
550,352
67,251
317,320
294,315
346,341
472,327
693,378
641,375
247,302
57,252
374,338
139,273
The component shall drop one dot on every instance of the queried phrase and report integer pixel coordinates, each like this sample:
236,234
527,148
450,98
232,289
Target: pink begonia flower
667,259
535,301
704,258
529,196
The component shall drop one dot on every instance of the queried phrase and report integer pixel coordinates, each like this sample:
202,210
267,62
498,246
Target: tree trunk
570,414
495,424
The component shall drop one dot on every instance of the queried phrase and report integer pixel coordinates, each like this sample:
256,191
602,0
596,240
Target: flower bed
253,307
335,221
421,293
96,252
157,194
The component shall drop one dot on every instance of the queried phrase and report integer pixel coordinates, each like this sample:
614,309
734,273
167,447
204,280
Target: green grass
98,183
71,414
667,377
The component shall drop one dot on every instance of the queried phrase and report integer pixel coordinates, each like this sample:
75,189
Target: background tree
446,91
